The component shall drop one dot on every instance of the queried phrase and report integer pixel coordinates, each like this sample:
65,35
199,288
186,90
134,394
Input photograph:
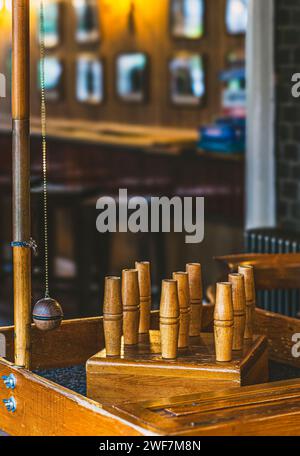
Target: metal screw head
10,404
9,381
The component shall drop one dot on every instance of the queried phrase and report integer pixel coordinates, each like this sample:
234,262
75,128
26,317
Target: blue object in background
233,74
226,135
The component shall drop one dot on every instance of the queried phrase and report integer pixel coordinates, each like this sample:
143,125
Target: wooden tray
141,373
46,408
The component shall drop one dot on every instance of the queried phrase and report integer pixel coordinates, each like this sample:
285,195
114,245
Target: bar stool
64,272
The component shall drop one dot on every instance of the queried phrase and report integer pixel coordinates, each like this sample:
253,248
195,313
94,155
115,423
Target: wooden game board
141,373
45,408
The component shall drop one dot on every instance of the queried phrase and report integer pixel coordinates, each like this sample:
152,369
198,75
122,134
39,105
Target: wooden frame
91,40
45,408
272,271
60,11
146,94
263,410
96,58
186,38
203,99
57,94
231,34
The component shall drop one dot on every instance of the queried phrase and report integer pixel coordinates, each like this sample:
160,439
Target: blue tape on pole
21,244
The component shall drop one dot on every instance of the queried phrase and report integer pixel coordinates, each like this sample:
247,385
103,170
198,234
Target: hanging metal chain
44,144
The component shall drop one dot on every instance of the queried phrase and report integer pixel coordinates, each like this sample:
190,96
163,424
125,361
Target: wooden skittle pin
239,310
144,276
184,306
131,306
169,319
223,322
196,295
112,316
248,273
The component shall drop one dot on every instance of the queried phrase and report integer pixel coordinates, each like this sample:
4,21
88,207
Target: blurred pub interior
151,96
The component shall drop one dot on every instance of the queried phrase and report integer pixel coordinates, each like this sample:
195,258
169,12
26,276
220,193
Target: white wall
260,181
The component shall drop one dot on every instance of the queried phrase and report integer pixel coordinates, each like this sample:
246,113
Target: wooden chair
277,271
272,272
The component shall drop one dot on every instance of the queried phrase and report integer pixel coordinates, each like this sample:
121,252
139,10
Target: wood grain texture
144,275
184,306
47,409
223,322
264,410
271,271
112,316
169,316
194,271
20,60
142,373
239,309
248,272
77,340
22,306
279,330
131,306
47,314
74,342
21,179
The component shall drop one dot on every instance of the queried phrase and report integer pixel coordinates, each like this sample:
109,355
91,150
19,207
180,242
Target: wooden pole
21,181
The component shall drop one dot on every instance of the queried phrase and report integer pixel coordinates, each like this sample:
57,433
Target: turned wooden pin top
112,304
169,304
248,272
224,307
238,292
194,271
143,268
130,288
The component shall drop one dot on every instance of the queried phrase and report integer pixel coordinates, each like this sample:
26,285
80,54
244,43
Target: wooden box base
140,374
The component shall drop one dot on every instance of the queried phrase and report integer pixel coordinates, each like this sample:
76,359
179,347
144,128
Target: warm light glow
5,13
5,6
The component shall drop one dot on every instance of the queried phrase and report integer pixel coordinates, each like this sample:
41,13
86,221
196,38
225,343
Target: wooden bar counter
144,159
